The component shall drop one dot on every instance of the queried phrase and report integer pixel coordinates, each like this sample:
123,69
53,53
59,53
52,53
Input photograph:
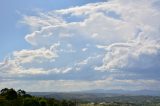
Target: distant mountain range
96,94
125,92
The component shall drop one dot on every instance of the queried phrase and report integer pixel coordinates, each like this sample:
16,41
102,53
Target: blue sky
63,45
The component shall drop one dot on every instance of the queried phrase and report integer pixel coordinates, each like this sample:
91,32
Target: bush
43,102
30,102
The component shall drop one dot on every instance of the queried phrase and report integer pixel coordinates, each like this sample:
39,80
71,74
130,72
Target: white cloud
120,55
13,69
84,49
133,20
27,56
43,20
107,30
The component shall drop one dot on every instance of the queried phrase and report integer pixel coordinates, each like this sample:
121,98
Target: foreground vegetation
11,97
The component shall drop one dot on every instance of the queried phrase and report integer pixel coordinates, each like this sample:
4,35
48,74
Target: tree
11,94
21,92
4,91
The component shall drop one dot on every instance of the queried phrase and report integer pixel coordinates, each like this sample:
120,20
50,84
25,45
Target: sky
77,45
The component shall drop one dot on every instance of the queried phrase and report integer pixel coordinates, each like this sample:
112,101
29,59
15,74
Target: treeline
11,97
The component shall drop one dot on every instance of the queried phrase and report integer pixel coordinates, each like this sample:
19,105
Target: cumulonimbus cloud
65,43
